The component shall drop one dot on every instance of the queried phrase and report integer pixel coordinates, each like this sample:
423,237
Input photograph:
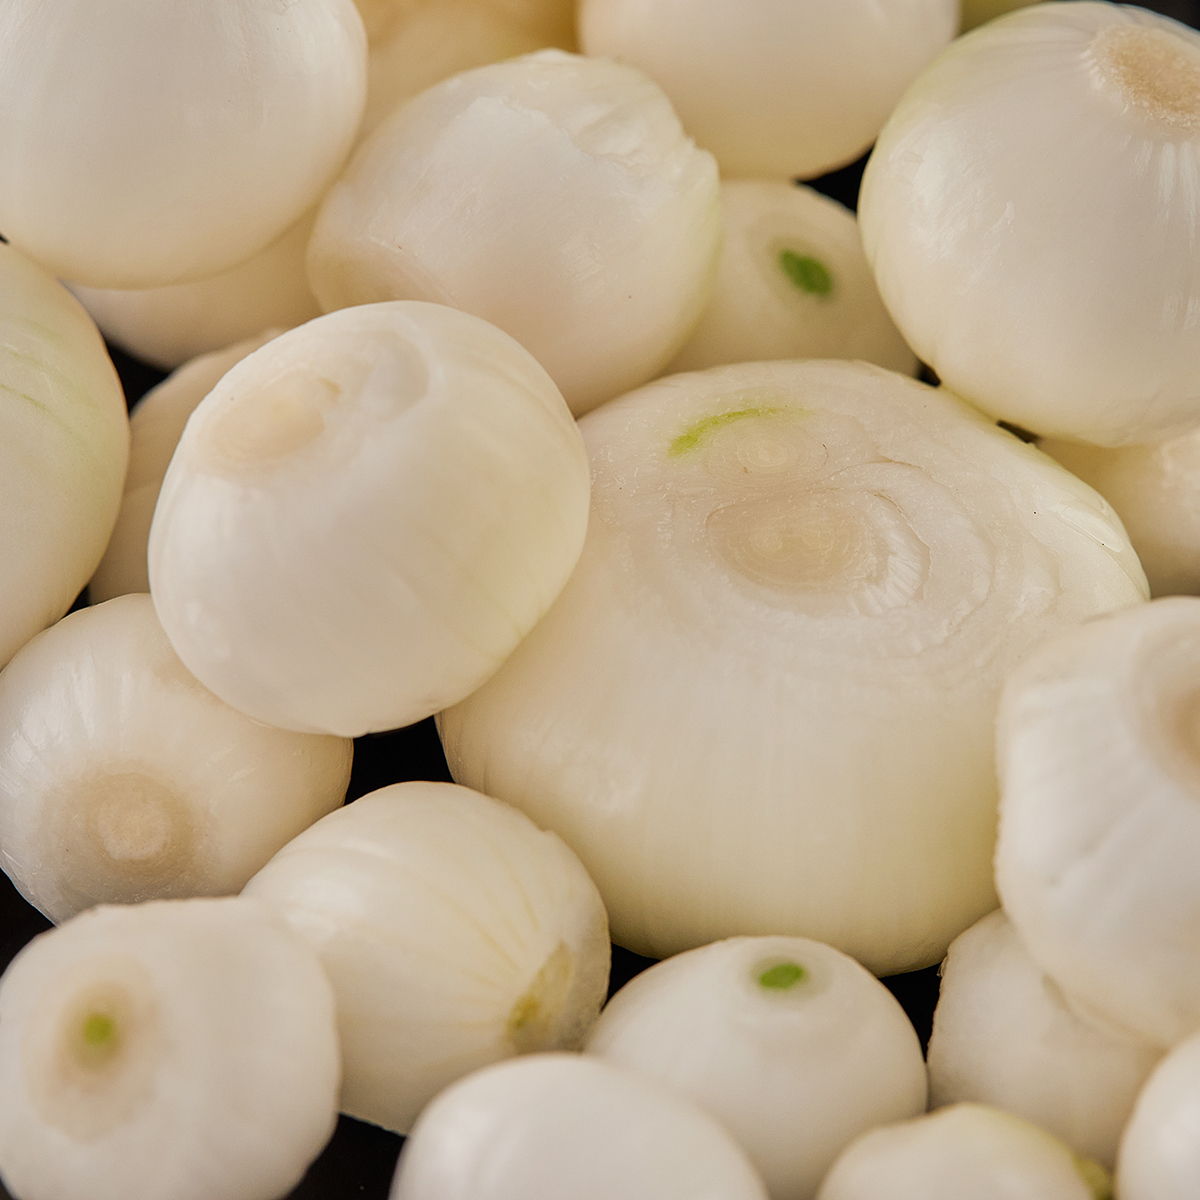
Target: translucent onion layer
1004,1034
123,779
979,213
64,445
365,516
1099,756
456,933
775,88
553,195
176,1050
147,143
764,702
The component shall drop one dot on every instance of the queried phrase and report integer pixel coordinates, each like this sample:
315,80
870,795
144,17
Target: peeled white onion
123,779
64,445
1004,1034
979,209
792,283
967,1150
175,1050
155,426
365,516
792,1046
556,1125
146,143
553,195
1098,746
765,700
775,88
455,932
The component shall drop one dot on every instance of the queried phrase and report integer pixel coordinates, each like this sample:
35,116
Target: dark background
359,1161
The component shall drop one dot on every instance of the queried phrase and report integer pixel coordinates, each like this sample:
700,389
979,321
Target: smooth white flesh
968,1150
1160,1149
776,89
455,932
554,1125
176,1050
1156,492
792,283
553,195
365,516
171,325
764,702
123,779
791,1045
147,143
1004,1034
979,214
155,427
64,445
1098,747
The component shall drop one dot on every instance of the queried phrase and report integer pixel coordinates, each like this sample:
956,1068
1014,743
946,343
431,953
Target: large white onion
764,702
145,143
981,216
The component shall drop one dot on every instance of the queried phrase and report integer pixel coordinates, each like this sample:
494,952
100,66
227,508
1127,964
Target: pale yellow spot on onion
533,1021
1153,70
272,422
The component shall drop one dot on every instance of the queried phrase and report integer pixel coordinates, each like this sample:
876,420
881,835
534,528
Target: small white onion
146,143
123,779
171,325
557,1125
1160,1149
553,195
967,1150
978,209
765,700
455,931
792,283
365,516
1098,746
64,445
1155,490
1004,1034
155,427
176,1050
775,88
791,1045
